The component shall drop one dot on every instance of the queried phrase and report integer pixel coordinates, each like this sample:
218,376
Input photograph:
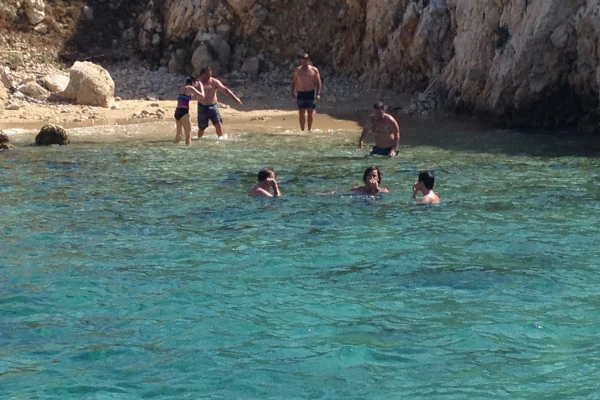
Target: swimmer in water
424,185
265,185
372,179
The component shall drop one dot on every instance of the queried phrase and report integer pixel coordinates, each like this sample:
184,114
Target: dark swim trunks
307,99
381,151
180,112
206,113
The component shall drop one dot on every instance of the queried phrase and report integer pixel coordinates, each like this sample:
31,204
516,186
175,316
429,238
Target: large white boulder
89,84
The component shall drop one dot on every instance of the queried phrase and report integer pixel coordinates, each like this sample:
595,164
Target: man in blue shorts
208,108
306,90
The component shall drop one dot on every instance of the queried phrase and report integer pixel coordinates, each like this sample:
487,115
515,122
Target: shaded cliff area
518,63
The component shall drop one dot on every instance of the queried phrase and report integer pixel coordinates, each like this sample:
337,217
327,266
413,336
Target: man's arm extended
227,91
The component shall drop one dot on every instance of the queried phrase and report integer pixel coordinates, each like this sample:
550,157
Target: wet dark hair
379,106
264,173
372,168
305,56
190,79
427,178
204,69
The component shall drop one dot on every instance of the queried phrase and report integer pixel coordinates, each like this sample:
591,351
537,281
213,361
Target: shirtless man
424,185
306,90
386,132
266,184
208,109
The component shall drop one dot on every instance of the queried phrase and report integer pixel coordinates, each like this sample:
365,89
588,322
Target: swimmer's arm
395,132
275,187
227,91
260,192
415,189
364,133
199,94
294,84
318,82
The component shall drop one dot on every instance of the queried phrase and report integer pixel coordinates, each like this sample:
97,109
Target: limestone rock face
514,59
212,51
390,43
529,62
52,134
89,84
34,10
251,66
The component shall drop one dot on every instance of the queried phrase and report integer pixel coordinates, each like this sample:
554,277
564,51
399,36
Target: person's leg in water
302,118
187,128
310,118
179,130
219,129
202,120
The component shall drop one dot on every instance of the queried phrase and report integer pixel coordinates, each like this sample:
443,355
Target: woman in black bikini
192,88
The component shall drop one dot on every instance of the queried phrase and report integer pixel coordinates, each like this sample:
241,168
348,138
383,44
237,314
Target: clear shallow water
140,269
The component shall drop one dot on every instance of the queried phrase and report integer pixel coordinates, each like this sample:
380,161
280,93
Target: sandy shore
149,96
254,114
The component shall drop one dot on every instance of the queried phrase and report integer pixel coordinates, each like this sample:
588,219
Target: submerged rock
52,134
4,141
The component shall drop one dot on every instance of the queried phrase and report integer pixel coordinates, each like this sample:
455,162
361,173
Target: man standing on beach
386,132
306,90
208,108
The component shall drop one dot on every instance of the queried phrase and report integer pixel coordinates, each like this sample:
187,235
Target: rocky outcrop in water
52,134
4,141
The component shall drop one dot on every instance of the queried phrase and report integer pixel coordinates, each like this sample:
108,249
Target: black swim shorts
206,113
307,99
381,151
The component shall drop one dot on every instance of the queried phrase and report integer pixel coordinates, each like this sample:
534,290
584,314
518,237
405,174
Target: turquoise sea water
140,270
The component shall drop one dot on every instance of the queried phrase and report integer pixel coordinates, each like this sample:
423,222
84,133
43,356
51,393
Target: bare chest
306,74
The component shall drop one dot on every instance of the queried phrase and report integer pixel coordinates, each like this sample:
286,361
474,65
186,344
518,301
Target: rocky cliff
528,63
